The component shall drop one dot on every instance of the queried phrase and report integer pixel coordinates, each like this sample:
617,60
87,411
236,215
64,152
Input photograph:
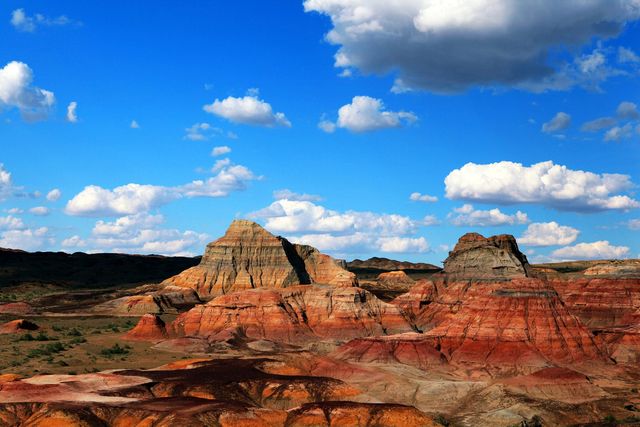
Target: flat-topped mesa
477,257
248,256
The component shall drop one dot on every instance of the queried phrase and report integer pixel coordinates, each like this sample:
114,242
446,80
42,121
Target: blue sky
429,87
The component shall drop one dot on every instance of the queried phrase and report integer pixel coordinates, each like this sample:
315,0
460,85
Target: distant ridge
80,270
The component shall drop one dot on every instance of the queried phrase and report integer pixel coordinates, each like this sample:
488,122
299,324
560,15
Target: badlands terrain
263,332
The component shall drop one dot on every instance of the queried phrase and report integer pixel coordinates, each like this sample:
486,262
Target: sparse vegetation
116,350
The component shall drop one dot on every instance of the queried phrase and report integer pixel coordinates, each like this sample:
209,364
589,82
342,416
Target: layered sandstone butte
296,314
248,257
477,257
395,280
149,328
519,324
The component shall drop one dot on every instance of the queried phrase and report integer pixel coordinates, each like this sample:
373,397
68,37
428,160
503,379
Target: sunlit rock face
476,256
248,257
296,314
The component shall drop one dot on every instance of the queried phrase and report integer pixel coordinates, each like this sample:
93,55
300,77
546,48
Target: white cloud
290,195
17,91
202,132
289,216
634,224
618,133
351,231
430,220
598,124
559,122
6,185
14,211
543,183
363,242
134,125
40,211
127,225
131,199
628,110
450,45
548,234
11,223
27,239
366,114
72,116
248,110
220,164
124,200
627,55
54,195
25,23
403,244
220,151
74,242
467,216
418,197
327,126
596,250
141,234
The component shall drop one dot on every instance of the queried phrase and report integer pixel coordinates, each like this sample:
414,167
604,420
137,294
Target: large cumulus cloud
450,45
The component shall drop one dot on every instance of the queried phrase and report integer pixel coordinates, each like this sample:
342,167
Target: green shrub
116,350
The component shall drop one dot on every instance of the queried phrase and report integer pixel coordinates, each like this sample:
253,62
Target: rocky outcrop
248,257
416,300
335,414
502,327
226,393
323,269
618,268
411,349
149,328
296,314
386,264
477,257
395,280
169,299
17,326
601,302
515,326
18,308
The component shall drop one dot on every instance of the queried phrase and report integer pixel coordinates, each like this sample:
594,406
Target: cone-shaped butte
248,257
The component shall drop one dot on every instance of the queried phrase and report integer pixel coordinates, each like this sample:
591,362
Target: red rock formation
293,315
335,414
248,256
520,324
169,299
395,280
601,302
415,301
556,384
409,349
503,327
476,256
149,328
17,326
196,393
19,308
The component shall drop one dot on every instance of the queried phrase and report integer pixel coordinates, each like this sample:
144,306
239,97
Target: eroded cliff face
248,257
477,257
226,393
296,314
